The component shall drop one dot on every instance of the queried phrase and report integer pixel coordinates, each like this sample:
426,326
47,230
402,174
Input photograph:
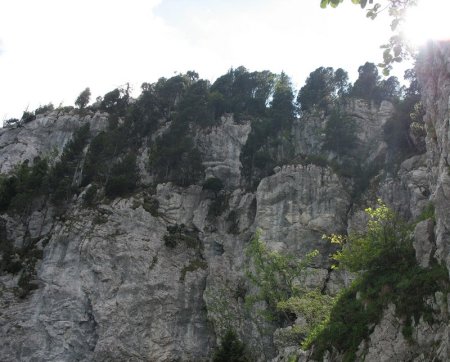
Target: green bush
275,275
18,190
180,234
123,177
231,349
213,184
61,184
388,273
44,109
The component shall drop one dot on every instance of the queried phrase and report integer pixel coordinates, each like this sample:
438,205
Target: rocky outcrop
44,137
160,275
111,290
221,150
369,120
298,205
408,192
428,341
434,75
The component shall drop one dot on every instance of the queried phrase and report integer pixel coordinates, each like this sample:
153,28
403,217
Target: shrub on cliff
388,273
231,349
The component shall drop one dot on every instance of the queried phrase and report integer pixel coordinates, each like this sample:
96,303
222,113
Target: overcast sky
50,50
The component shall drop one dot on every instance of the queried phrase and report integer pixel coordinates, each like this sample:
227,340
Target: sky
50,50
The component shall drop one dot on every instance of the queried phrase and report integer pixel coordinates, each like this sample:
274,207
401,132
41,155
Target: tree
116,101
230,350
322,88
242,93
387,237
83,99
282,109
366,86
390,89
194,105
340,134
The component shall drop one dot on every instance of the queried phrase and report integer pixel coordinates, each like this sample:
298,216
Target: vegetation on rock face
18,190
275,275
340,134
231,349
213,184
180,234
388,273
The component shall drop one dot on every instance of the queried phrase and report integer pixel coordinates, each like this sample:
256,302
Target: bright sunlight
429,20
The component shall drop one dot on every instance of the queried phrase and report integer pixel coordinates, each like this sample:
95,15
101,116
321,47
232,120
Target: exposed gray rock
44,137
220,147
300,204
408,193
434,75
111,289
424,243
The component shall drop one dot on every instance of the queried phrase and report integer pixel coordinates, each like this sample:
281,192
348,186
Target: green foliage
406,120
20,260
313,306
116,102
340,134
146,111
123,177
282,109
322,88
27,117
111,160
169,91
83,99
388,273
180,234
231,349
61,176
427,213
275,275
242,93
386,236
174,157
366,86
195,107
213,184
18,190
44,109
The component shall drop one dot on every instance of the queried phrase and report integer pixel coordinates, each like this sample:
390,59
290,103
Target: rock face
221,148
43,137
434,75
369,119
298,205
130,280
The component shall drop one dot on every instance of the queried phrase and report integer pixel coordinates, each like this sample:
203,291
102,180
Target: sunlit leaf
324,3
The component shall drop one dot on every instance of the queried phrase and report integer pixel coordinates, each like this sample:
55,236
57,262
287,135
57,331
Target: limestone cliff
159,273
